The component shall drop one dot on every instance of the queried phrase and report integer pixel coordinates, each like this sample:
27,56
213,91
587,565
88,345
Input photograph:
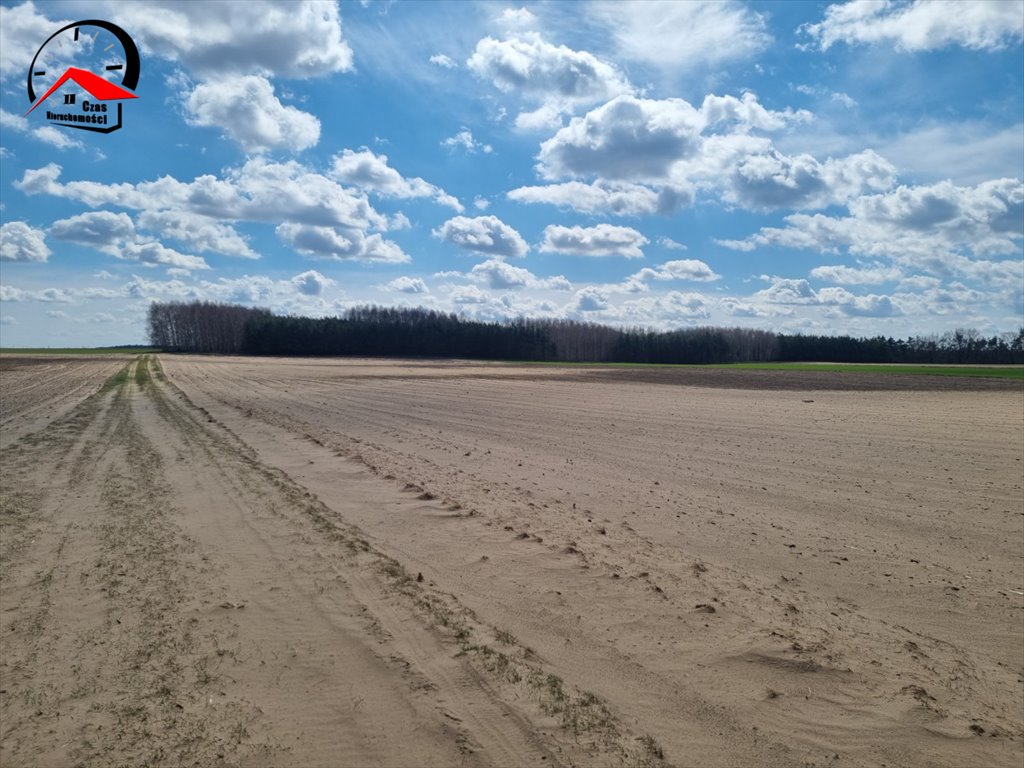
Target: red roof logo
96,86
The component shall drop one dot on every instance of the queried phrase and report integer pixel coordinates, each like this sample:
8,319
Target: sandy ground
265,562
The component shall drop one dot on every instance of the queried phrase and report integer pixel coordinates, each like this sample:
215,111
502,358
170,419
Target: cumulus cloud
869,275
939,228
922,25
405,284
590,299
159,255
240,37
517,19
314,213
246,109
501,275
601,240
20,242
626,139
200,233
790,291
749,112
680,269
773,180
340,244
105,231
615,198
669,310
311,283
10,293
717,31
115,234
488,235
654,155
464,140
556,77
371,172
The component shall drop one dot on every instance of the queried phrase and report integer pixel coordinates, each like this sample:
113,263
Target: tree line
208,327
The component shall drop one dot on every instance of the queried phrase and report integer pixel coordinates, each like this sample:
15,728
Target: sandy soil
36,389
225,567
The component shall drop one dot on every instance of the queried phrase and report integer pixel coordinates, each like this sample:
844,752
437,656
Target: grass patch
142,371
989,371
119,379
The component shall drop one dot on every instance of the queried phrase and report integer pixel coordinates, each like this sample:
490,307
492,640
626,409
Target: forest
208,327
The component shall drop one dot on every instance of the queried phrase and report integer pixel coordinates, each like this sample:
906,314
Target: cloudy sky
840,168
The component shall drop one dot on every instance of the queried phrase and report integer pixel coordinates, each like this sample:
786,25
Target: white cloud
668,310
748,111
488,235
58,295
615,198
670,244
600,240
103,230
311,283
556,77
481,203
20,242
8,320
843,275
115,234
371,172
923,25
22,29
257,191
713,31
501,275
774,180
590,299
240,37
681,269
405,284
469,294
517,19
249,113
787,291
46,133
340,244
626,139
443,60
200,233
464,140
56,137
157,254
646,155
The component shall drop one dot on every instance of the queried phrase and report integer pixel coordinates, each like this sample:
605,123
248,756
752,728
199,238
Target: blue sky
829,168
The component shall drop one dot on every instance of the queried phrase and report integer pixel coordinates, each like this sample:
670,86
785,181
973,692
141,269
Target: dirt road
264,562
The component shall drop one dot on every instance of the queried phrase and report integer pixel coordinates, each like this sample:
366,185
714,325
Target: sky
837,168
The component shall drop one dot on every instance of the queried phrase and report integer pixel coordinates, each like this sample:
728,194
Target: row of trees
405,332
200,326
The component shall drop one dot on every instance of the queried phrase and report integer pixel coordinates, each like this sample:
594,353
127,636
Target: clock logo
94,66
